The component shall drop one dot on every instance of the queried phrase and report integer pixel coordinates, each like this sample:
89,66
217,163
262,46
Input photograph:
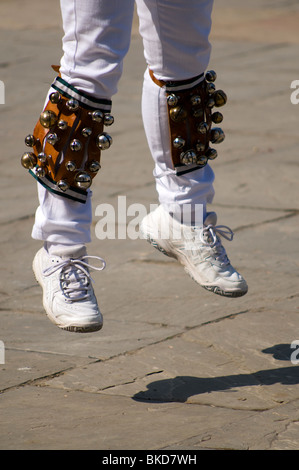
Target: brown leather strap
160,83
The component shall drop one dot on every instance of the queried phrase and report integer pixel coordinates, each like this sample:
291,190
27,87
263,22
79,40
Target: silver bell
202,160
75,145
83,180
211,76
172,100
40,172
55,97
94,166
42,157
211,154
30,140
86,132
28,160
178,142
48,119
189,157
97,115
203,128
52,139
72,104
103,141
108,120
62,125
70,166
63,185
217,135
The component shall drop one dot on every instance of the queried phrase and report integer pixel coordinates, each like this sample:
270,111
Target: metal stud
172,100
52,139
30,140
72,104
220,98
203,128
217,135
211,154
97,115
83,180
48,119
75,145
211,76
217,117
178,114
86,132
62,125
178,142
42,157
70,166
94,166
103,141
55,97
195,100
108,120
189,157
63,185
28,160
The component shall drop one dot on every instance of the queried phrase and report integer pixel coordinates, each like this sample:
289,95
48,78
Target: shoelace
75,277
208,236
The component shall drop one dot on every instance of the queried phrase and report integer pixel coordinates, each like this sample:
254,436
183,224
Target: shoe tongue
68,251
211,219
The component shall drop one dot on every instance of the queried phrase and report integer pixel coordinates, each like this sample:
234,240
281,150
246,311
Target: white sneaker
68,295
198,249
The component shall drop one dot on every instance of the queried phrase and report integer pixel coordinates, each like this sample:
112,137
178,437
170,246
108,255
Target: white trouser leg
175,36
97,37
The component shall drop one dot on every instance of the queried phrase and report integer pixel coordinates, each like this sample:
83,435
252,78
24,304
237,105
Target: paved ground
175,367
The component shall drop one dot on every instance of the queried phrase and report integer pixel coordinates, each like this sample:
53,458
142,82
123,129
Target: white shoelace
75,277
208,236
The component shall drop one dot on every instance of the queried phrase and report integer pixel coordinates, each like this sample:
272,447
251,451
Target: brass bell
217,117
211,102
217,135
103,141
195,100
97,115
42,157
30,140
189,157
62,125
200,147
63,185
178,142
108,120
48,119
211,154
172,100
40,172
28,160
55,97
94,166
86,132
72,104
202,160
75,145
220,98
178,114
83,180
70,166
203,128
210,88
211,76
52,139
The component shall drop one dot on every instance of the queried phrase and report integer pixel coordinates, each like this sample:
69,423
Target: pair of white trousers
97,34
